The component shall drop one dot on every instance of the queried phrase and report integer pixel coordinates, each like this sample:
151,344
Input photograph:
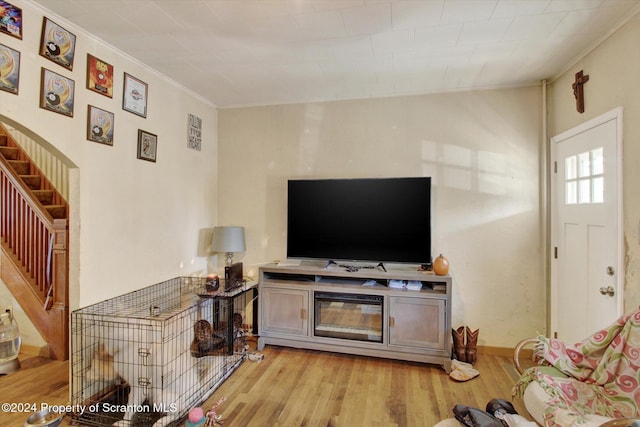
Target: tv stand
413,317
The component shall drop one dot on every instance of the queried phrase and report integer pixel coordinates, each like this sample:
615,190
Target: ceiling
265,52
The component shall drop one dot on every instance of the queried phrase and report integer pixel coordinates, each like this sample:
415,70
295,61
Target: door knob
609,290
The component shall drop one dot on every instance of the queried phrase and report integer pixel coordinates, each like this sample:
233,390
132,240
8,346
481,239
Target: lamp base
229,259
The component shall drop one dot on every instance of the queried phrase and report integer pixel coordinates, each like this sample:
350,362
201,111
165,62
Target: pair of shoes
474,417
462,371
465,352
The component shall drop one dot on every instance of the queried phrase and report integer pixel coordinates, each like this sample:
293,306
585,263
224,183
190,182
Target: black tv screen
372,219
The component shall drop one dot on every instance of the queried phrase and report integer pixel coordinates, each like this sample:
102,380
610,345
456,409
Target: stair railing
26,229
37,244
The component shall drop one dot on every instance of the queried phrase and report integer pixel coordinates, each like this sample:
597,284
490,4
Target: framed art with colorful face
56,93
10,19
57,44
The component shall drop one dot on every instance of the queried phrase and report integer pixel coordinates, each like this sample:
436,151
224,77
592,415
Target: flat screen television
370,219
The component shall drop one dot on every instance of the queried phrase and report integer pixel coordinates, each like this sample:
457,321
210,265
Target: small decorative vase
441,265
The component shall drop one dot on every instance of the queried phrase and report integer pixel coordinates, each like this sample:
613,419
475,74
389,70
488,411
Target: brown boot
471,351
458,344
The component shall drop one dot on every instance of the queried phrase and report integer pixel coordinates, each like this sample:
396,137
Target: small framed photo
99,125
147,145
56,93
57,44
10,19
9,69
134,97
99,76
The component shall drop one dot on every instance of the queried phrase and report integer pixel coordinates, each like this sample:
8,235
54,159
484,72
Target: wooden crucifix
578,90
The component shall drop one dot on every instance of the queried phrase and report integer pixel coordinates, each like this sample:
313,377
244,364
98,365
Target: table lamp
228,239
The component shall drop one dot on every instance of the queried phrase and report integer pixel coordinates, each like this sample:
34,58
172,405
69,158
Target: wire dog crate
145,358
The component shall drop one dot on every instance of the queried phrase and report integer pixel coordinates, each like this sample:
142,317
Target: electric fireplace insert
348,316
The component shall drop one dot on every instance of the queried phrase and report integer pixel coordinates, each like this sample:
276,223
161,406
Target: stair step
22,167
57,211
32,181
9,153
44,196
3,140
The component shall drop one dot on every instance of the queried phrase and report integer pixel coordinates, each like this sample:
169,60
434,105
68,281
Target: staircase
34,240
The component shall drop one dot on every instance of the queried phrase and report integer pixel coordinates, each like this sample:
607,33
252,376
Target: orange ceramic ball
441,265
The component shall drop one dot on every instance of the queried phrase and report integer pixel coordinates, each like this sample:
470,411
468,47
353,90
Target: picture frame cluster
58,89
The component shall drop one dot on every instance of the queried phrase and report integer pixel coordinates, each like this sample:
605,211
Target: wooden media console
399,314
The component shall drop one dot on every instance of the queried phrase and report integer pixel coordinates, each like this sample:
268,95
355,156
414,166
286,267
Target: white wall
613,70
482,150
133,223
29,335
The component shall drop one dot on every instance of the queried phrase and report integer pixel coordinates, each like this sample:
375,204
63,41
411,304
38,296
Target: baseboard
504,351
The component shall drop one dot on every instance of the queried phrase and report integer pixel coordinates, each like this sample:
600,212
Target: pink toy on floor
213,418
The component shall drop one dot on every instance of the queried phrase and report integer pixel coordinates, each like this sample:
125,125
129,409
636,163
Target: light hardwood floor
293,387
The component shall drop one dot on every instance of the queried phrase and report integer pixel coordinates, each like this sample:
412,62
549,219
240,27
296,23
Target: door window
584,177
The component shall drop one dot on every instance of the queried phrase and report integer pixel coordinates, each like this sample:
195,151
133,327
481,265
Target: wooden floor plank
39,381
293,387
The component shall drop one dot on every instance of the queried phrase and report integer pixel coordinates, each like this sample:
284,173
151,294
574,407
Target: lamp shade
228,239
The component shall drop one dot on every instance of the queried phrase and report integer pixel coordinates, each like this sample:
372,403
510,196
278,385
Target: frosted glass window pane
571,195
584,165
597,158
584,191
570,167
598,190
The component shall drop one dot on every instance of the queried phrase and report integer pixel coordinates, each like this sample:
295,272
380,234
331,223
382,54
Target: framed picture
147,145
134,96
56,93
10,19
99,125
99,76
9,69
57,44
194,132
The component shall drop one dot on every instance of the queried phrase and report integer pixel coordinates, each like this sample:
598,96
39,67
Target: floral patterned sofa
589,383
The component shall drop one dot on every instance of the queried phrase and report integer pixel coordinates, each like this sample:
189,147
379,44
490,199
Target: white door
586,287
